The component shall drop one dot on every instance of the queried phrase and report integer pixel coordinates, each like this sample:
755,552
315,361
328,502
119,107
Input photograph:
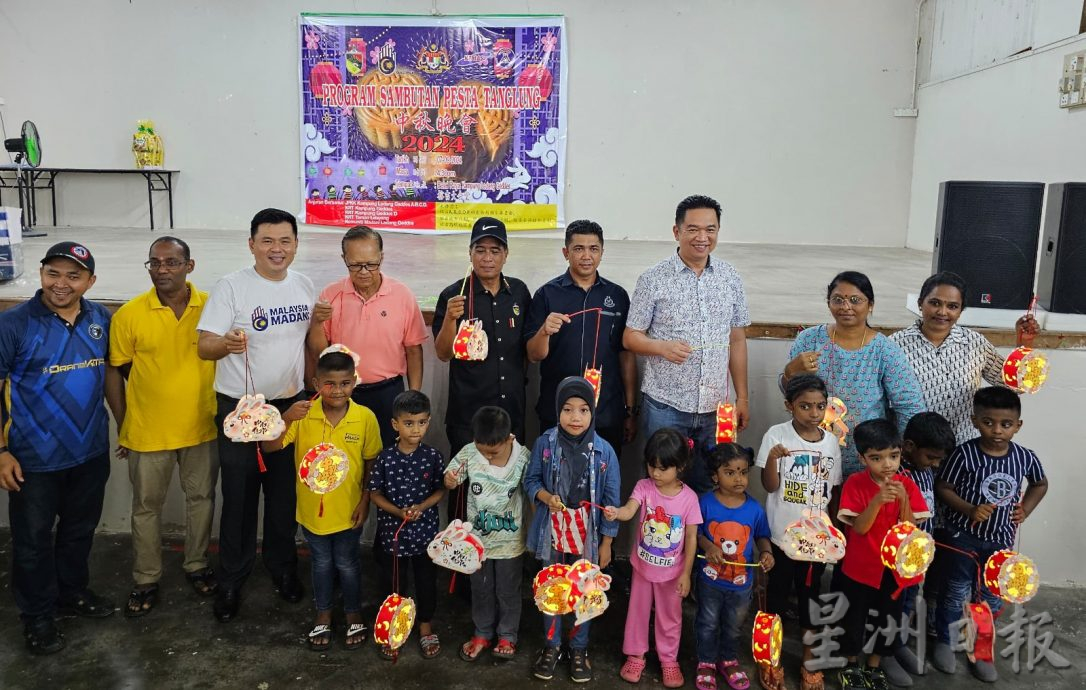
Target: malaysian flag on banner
568,530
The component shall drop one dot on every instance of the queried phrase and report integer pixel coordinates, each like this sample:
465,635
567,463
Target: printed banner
426,123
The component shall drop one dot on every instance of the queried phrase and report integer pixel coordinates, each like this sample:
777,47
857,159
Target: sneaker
42,636
543,669
580,669
908,661
897,675
875,679
943,658
852,677
87,605
984,671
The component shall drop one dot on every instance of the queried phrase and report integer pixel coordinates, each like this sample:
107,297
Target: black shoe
42,636
544,665
852,677
580,669
88,605
876,679
289,588
226,604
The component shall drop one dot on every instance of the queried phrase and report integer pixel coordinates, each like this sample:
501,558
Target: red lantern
323,73
595,379
1011,576
1025,370
395,619
471,343
979,631
767,638
908,551
726,423
551,589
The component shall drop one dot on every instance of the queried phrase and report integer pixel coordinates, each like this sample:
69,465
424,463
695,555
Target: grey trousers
495,598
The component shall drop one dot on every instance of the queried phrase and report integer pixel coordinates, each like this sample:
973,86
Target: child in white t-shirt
801,466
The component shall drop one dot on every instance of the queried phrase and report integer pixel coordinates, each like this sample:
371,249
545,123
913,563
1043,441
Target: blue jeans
960,580
720,612
552,636
656,415
50,564
332,553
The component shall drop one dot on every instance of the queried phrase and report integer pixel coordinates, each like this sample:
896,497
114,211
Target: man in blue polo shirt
55,456
565,345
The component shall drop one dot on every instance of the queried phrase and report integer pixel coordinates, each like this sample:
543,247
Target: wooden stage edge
1046,340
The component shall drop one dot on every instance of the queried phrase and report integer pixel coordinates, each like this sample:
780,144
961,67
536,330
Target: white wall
782,110
1000,123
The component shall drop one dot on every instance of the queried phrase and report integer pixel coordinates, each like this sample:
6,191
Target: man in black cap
55,462
501,303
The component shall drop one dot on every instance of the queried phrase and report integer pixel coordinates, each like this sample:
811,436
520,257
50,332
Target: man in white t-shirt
254,326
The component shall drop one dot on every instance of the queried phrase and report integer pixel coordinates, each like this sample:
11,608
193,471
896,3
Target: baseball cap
71,250
489,227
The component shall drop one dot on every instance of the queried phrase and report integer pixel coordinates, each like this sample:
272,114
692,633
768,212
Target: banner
426,123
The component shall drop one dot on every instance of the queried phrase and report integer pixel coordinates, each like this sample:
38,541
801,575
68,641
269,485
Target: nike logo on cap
489,227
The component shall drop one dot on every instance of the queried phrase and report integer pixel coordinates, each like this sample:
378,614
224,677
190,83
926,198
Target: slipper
632,669
356,635
88,605
471,649
737,678
320,632
771,677
203,581
706,676
505,650
810,681
388,653
141,600
672,675
430,646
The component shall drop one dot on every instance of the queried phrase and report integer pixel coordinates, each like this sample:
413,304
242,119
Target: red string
396,557
458,514
590,504
599,319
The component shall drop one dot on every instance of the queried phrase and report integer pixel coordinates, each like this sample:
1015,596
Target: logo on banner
433,60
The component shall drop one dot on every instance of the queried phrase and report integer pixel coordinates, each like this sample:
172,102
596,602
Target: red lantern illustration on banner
908,551
1025,370
727,423
979,631
595,379
322,74
538,74
395,619
767,638
1011,576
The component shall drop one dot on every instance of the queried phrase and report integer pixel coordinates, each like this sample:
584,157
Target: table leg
169,193
150,201
53,193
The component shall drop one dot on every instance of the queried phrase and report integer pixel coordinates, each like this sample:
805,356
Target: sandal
203,581
706,676
632,669
471,649
810,681
771,677
141,600
388,653
504,650
356,635
42,636
430,646
672,675
736,677
320,638
87,605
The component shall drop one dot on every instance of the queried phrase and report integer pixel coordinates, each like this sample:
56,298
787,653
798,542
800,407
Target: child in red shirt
872,502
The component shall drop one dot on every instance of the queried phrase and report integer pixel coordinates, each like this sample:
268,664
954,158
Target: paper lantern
908,551
814,539
323,469
766,640
1011,576
726,423
588,596
456,548
834,420
253,419
321,74
979,631
395,619
595,379
471,343
551,589
1025,370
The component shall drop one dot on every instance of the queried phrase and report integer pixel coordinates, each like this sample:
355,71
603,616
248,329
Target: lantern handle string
459,511
464,282
599,318
396,557
744,565
971,555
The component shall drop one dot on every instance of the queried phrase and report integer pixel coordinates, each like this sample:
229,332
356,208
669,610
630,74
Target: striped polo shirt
54,416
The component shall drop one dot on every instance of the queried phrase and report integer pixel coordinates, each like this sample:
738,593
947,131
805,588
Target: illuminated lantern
908,551
588,595
766,641
254,420
323,73
814,539
456,548
1011,576
834,420
979,631
1025,370
726,423
395,619
551,589
595,379
322,469
471,343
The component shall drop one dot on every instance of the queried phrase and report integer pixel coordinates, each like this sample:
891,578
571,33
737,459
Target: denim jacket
603,488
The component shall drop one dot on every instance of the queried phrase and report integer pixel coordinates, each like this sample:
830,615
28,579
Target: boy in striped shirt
980,489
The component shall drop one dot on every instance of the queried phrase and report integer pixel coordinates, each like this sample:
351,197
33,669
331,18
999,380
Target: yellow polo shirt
170,395
358,435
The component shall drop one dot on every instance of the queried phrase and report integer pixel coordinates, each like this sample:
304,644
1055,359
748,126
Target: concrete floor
180,645
785,284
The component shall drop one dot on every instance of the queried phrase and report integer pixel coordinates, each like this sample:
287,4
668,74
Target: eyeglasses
155,264
854,300
355,268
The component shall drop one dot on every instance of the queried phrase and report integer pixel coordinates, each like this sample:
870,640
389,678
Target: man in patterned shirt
687,318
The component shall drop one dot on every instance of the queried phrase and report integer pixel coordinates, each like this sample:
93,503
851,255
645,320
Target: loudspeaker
1061,284
987,232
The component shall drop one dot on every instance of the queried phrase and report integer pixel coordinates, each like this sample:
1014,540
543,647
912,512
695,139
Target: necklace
863,341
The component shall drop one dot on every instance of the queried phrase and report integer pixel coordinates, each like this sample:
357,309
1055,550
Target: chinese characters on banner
425,123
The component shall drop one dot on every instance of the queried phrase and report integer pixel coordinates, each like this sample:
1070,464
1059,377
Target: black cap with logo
489,227
71,250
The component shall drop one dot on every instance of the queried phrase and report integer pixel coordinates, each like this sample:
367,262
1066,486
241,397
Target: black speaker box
1061,283
987,232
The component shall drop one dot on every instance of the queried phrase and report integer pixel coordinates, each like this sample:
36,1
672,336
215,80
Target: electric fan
27,150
